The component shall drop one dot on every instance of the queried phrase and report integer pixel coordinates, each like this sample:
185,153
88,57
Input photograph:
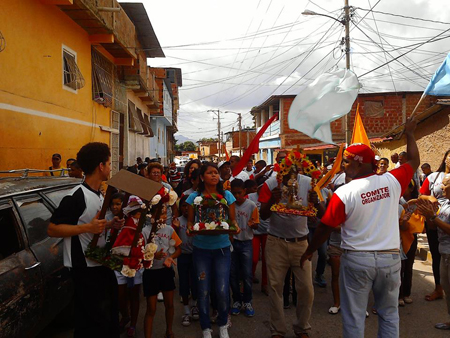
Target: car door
21,295
35,214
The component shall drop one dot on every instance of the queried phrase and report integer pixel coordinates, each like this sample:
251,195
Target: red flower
219,196
201,226
316,174
288,162
305,164
276,167
297,154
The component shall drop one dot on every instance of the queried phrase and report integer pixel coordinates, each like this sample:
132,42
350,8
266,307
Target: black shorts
159,280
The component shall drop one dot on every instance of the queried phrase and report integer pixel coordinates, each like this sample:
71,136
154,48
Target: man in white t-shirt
367,208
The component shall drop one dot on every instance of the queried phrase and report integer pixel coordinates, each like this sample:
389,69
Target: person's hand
276,195
306,256
117,223
96,226
160,254
238,230
313,197
267,168
252,224
410,125
406,216
169,261
426,208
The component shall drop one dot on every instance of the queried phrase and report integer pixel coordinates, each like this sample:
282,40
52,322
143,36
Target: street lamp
346,22
240,129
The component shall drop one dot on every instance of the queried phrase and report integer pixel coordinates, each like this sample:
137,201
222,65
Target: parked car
34,285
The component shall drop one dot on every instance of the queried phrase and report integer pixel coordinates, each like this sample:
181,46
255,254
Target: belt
292,240
389,251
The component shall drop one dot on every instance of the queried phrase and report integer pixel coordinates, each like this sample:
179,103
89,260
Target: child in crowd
247,217
186,272
128,287
259,235
75,170
160,277
212,255
194,180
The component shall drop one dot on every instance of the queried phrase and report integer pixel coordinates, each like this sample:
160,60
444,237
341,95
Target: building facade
81,77
380,112
233,146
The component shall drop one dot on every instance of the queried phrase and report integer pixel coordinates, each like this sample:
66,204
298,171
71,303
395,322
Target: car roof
14,186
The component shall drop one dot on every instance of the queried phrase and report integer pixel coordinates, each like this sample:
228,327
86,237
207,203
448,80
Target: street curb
423,250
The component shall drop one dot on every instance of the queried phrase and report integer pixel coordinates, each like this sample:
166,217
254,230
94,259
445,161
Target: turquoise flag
440,82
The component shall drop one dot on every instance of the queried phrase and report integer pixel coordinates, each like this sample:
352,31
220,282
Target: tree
185,146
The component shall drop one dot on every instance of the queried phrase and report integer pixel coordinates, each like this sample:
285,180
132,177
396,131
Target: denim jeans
360,273
322,253
215,263
241,264
445,278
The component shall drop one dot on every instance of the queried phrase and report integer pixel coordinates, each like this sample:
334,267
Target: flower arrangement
212,213
297,159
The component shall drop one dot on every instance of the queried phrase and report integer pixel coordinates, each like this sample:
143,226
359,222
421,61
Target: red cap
360,152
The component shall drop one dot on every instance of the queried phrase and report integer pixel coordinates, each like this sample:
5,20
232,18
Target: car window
36,217
9,240
58,195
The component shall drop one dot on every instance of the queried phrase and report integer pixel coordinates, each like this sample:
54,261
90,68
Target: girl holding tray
211,254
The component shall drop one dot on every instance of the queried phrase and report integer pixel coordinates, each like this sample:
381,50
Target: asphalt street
416,319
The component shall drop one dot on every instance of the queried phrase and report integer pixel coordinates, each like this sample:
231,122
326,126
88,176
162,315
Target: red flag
253,147
226,153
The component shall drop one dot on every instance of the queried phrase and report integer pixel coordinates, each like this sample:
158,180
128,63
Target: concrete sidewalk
423,250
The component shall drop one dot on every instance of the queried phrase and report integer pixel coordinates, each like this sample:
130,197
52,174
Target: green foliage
185,146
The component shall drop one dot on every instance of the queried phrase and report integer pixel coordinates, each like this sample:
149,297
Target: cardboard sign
135,184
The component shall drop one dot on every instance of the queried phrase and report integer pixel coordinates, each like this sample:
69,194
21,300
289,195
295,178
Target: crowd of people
366,227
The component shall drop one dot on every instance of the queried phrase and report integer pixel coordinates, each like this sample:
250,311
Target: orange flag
329,175
359,133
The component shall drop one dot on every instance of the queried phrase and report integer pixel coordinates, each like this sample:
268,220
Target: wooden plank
101,38
104,52
57,2
124,62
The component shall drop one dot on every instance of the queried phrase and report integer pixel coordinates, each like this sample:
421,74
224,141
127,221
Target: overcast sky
236,54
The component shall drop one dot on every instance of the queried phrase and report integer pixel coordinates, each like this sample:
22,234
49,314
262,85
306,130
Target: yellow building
60,72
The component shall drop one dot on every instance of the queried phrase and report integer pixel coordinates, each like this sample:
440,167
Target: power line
405,16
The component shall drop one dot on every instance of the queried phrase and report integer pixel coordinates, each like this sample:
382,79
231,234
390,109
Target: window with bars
72,77
103,76
138,121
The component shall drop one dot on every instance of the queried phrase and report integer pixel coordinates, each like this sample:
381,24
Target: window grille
133,118
103,72
72,74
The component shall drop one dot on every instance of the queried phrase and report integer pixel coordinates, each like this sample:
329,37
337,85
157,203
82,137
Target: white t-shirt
249,173
367,208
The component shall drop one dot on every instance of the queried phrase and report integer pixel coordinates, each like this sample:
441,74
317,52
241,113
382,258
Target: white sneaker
160,297
207,333
223,332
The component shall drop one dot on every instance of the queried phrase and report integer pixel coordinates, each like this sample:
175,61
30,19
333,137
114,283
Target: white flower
127,272
140,241
151,248
225,225
211,226
172,197
143,206
156,199
198,200
148,256
166,191
196,227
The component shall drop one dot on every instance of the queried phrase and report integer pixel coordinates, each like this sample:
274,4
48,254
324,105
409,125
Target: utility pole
347,117
217,112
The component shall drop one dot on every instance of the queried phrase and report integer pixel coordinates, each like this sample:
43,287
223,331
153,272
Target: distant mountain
181,139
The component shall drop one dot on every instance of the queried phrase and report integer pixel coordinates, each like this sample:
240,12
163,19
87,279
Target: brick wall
246,139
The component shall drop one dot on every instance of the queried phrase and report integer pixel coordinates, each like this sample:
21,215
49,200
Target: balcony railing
272,130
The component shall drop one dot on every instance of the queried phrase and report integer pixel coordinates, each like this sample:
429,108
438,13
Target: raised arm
411,145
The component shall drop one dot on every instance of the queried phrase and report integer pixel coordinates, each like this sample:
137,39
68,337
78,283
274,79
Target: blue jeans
215,263
360,273
241,263
322,253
